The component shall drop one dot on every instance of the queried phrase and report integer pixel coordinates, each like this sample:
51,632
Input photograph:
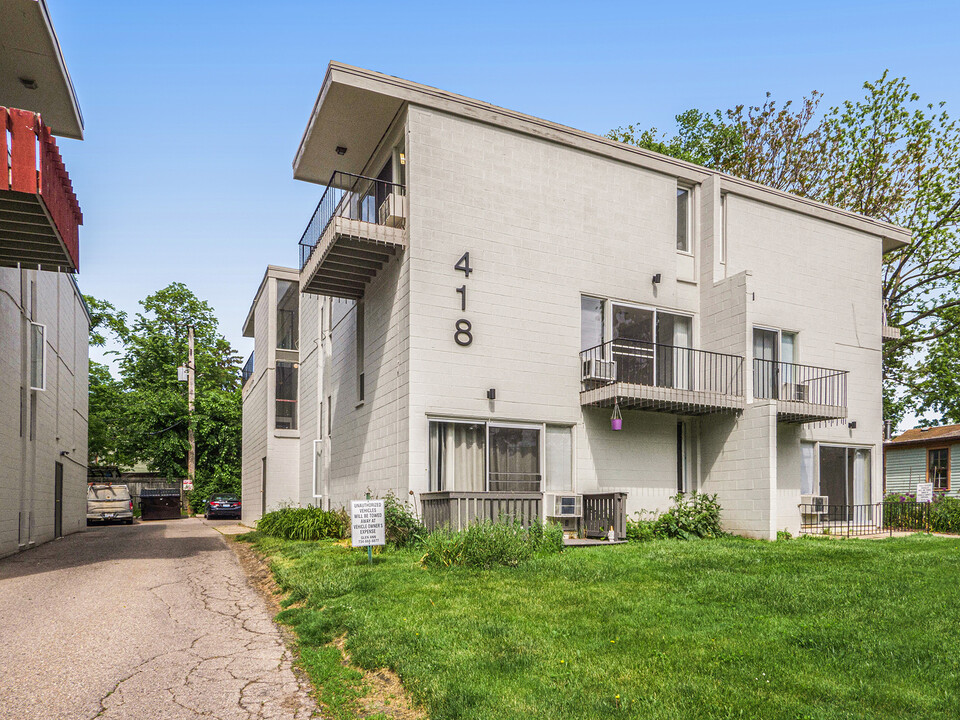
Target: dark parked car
223,505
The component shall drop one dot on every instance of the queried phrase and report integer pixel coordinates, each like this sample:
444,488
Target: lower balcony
355,231
39,213
804,393
640,375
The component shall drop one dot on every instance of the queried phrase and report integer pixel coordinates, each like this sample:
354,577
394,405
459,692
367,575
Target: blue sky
193,110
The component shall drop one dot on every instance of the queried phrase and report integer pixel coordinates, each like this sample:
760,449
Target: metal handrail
355,197
641,362
793,382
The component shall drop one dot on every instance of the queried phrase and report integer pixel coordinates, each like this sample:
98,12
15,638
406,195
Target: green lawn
711,629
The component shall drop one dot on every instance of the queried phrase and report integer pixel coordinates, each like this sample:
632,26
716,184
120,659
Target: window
591,322
844,478
472,456
938,468
774,356
807,469
723,229
559,458
288,319
38,375
286,396
683,220
457,456
360,352
329,416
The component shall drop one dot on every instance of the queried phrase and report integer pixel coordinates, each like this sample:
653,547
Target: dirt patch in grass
382,693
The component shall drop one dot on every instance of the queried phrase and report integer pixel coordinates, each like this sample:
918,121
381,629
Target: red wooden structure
48,214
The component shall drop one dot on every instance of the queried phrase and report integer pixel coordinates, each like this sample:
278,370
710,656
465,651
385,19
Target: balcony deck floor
661,399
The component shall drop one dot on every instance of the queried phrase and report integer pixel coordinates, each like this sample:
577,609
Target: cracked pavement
150,621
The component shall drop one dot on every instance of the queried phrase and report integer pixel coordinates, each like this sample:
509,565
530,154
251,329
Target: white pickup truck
109,503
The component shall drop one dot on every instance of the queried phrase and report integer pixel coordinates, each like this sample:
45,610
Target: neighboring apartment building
923,455
271,435
482,290
44,324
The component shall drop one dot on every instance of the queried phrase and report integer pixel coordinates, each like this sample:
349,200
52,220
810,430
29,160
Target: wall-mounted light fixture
852,424
492,394
656,279
341,150
28,83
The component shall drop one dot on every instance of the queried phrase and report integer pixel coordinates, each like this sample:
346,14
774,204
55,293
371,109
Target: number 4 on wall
463,264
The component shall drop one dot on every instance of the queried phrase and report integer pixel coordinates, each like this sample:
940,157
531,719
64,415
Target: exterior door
633,347
58,501
765,357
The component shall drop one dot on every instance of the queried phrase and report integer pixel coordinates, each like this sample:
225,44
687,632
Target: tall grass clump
486,545
309,523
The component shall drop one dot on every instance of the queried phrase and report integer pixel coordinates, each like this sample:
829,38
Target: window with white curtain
457,456
559,458
807,476
476,457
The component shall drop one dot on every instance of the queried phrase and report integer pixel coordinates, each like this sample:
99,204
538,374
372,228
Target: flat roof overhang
355,107
30,51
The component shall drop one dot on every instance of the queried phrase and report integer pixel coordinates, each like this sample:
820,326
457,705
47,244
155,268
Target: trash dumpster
160,504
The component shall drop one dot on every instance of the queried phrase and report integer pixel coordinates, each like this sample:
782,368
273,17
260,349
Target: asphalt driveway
155,620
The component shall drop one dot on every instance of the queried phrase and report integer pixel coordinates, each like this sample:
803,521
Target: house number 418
464,333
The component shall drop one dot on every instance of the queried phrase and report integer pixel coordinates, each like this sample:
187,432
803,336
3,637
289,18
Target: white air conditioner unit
392,211
818,502
600,370
559,505
794,392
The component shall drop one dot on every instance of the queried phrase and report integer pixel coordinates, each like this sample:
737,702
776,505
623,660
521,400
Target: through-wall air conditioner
391,211
559,505
794,392
814,503
600,370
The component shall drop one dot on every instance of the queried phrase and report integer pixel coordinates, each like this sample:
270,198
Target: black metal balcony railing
247,371
790,382
353,197
667,366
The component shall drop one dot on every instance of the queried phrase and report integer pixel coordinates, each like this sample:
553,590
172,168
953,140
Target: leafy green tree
885,155
153,420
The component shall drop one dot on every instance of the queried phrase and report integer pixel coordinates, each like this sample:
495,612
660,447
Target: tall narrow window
360,352
559,458
286,396
38,375
591,322
288,315
723,228
807,476
683,220
329,416
938,468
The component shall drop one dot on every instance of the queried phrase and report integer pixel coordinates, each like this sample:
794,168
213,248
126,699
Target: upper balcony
652,376
355,230
804,393
39,213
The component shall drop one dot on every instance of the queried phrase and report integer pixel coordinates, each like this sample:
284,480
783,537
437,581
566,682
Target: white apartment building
482,291
44,323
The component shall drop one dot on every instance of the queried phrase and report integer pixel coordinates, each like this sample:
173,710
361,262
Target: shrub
642,528
696,515
901,511
486,545
309,523
403,527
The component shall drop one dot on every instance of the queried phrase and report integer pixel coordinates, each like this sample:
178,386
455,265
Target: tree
887,156
153,421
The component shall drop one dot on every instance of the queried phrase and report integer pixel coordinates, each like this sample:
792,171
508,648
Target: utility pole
191,391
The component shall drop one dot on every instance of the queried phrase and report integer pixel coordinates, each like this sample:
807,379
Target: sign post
367,525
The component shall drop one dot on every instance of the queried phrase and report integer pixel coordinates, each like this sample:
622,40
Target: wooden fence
456,510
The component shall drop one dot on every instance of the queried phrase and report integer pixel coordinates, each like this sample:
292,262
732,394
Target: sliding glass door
497,457
633,350
844,478
514,458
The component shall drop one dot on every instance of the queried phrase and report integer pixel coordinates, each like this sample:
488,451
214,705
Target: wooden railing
601,511
30,145
457,510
